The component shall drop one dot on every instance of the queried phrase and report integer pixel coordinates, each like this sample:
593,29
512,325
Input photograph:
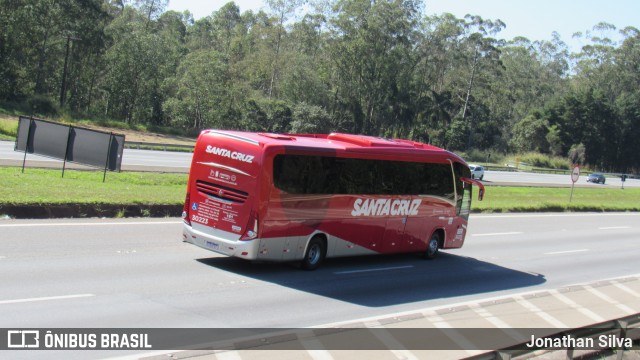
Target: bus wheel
316,252
432,247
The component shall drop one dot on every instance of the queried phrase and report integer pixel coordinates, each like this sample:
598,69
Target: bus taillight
252,227
185,209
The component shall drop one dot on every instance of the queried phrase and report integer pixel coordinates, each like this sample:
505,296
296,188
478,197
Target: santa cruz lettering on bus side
382,207
229,154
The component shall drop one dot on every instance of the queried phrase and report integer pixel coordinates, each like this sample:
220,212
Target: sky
533,19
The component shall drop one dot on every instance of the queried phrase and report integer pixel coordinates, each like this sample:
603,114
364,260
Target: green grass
39,186
517,199
8,128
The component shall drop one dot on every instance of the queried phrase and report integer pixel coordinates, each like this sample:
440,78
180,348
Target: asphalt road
137,273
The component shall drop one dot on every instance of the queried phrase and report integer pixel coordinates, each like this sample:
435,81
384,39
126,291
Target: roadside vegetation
381,68
533,199
41,187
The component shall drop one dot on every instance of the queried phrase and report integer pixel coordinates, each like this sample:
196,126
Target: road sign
575,174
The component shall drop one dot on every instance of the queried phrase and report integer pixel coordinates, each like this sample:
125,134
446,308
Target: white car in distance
477,171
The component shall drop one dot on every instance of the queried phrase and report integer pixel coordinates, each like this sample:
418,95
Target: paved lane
137,273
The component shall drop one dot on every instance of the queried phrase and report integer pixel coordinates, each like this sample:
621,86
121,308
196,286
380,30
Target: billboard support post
66,153
106,163
26,146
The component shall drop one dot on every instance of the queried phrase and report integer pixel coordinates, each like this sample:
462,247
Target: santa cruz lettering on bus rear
382,207
229,154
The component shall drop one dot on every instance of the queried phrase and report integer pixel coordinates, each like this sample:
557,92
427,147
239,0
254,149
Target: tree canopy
381,68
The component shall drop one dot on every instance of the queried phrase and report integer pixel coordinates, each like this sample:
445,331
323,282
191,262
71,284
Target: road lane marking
566,252
556,294
608,299
499,234
518,297
614,227
228,355
393,345
454,335
63,297
498,323
625,289
370,270
536,310
92,224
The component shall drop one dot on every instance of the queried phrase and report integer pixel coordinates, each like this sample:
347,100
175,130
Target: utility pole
63,87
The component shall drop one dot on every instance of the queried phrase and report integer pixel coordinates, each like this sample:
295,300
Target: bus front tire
315,254
432,247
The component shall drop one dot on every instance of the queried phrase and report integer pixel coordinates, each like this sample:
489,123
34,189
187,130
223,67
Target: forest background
380,67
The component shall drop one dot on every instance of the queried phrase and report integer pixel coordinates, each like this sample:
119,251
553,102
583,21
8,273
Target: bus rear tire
432,247
315,254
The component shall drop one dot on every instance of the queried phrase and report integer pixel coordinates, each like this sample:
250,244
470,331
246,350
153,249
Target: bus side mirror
477,183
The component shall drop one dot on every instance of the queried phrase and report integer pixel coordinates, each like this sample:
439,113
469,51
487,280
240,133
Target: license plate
212,245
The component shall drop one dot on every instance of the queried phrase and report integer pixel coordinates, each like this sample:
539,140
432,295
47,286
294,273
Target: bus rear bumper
245,249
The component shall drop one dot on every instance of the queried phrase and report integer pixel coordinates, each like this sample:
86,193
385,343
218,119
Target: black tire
481,177
432,247
316,252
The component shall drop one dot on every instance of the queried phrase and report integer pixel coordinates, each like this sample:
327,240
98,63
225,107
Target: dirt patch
140,136
130,135
53,211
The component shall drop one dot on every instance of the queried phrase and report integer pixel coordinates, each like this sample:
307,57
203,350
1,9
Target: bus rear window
298,174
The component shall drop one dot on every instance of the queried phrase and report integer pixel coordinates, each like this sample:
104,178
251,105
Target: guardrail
155,146
619,327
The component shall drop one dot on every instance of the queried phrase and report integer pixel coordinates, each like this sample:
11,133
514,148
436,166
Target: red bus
274,197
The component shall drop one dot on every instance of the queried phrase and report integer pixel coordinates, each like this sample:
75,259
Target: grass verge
522,199
86,191
40,186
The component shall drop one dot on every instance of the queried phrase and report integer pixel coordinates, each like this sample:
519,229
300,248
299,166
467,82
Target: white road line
498,323
536,310
392,343
625,289
3,302
576,306
614,227
485,314
370,270
430,310
498,234
566,252
608,299
228,355
458,338
314,347
92,224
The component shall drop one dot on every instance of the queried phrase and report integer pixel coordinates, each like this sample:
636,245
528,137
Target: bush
544,161
41,105
482,156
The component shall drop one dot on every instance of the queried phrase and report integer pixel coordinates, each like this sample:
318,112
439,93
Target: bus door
393,235
401,224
